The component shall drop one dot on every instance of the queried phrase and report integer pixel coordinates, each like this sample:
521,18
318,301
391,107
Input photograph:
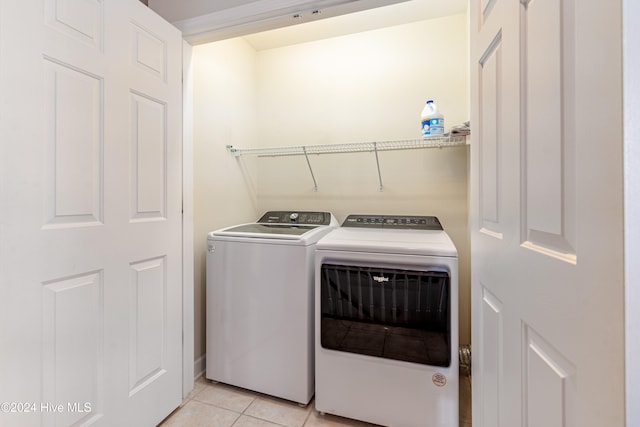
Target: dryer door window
388,313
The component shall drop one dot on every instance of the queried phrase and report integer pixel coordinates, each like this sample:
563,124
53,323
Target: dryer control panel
296,217
409,222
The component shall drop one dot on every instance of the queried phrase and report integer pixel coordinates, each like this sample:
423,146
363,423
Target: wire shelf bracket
313,177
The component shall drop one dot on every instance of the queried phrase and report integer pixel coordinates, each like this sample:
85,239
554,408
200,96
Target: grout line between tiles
309,411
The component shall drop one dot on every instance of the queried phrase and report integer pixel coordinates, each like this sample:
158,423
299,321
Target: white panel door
547,203
90,218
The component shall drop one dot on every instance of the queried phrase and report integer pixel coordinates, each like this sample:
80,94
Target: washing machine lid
278,229
405,235
285,226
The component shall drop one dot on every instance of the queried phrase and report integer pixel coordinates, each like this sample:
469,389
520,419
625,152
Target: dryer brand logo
380,279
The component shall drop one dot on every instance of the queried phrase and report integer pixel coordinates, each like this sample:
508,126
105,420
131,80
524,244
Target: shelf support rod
306,156
375,149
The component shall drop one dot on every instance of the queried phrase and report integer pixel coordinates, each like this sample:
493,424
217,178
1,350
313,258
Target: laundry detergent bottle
432,120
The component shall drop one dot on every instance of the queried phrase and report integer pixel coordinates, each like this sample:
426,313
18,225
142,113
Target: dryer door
388,313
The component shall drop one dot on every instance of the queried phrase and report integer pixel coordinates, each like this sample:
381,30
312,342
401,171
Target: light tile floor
220,405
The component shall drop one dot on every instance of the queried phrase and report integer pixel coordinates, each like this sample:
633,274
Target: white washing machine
387,322
260,303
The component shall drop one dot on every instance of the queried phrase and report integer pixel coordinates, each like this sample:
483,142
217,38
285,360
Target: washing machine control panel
393,221
291,217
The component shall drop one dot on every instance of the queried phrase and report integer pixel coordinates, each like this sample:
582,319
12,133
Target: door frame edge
187,224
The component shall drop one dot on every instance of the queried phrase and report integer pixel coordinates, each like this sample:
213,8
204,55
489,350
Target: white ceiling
177,10
275,23
397,14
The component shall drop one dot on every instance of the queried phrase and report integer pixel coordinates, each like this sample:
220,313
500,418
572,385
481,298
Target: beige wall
369,86
224,82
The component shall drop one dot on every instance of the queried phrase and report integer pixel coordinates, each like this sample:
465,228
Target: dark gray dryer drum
387,313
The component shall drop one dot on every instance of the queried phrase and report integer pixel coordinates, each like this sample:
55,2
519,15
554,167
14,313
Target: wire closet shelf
354,147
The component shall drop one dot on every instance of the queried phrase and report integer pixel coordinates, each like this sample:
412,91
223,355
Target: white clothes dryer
387,322
260,307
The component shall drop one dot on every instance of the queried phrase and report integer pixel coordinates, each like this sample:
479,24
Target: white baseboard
199,366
